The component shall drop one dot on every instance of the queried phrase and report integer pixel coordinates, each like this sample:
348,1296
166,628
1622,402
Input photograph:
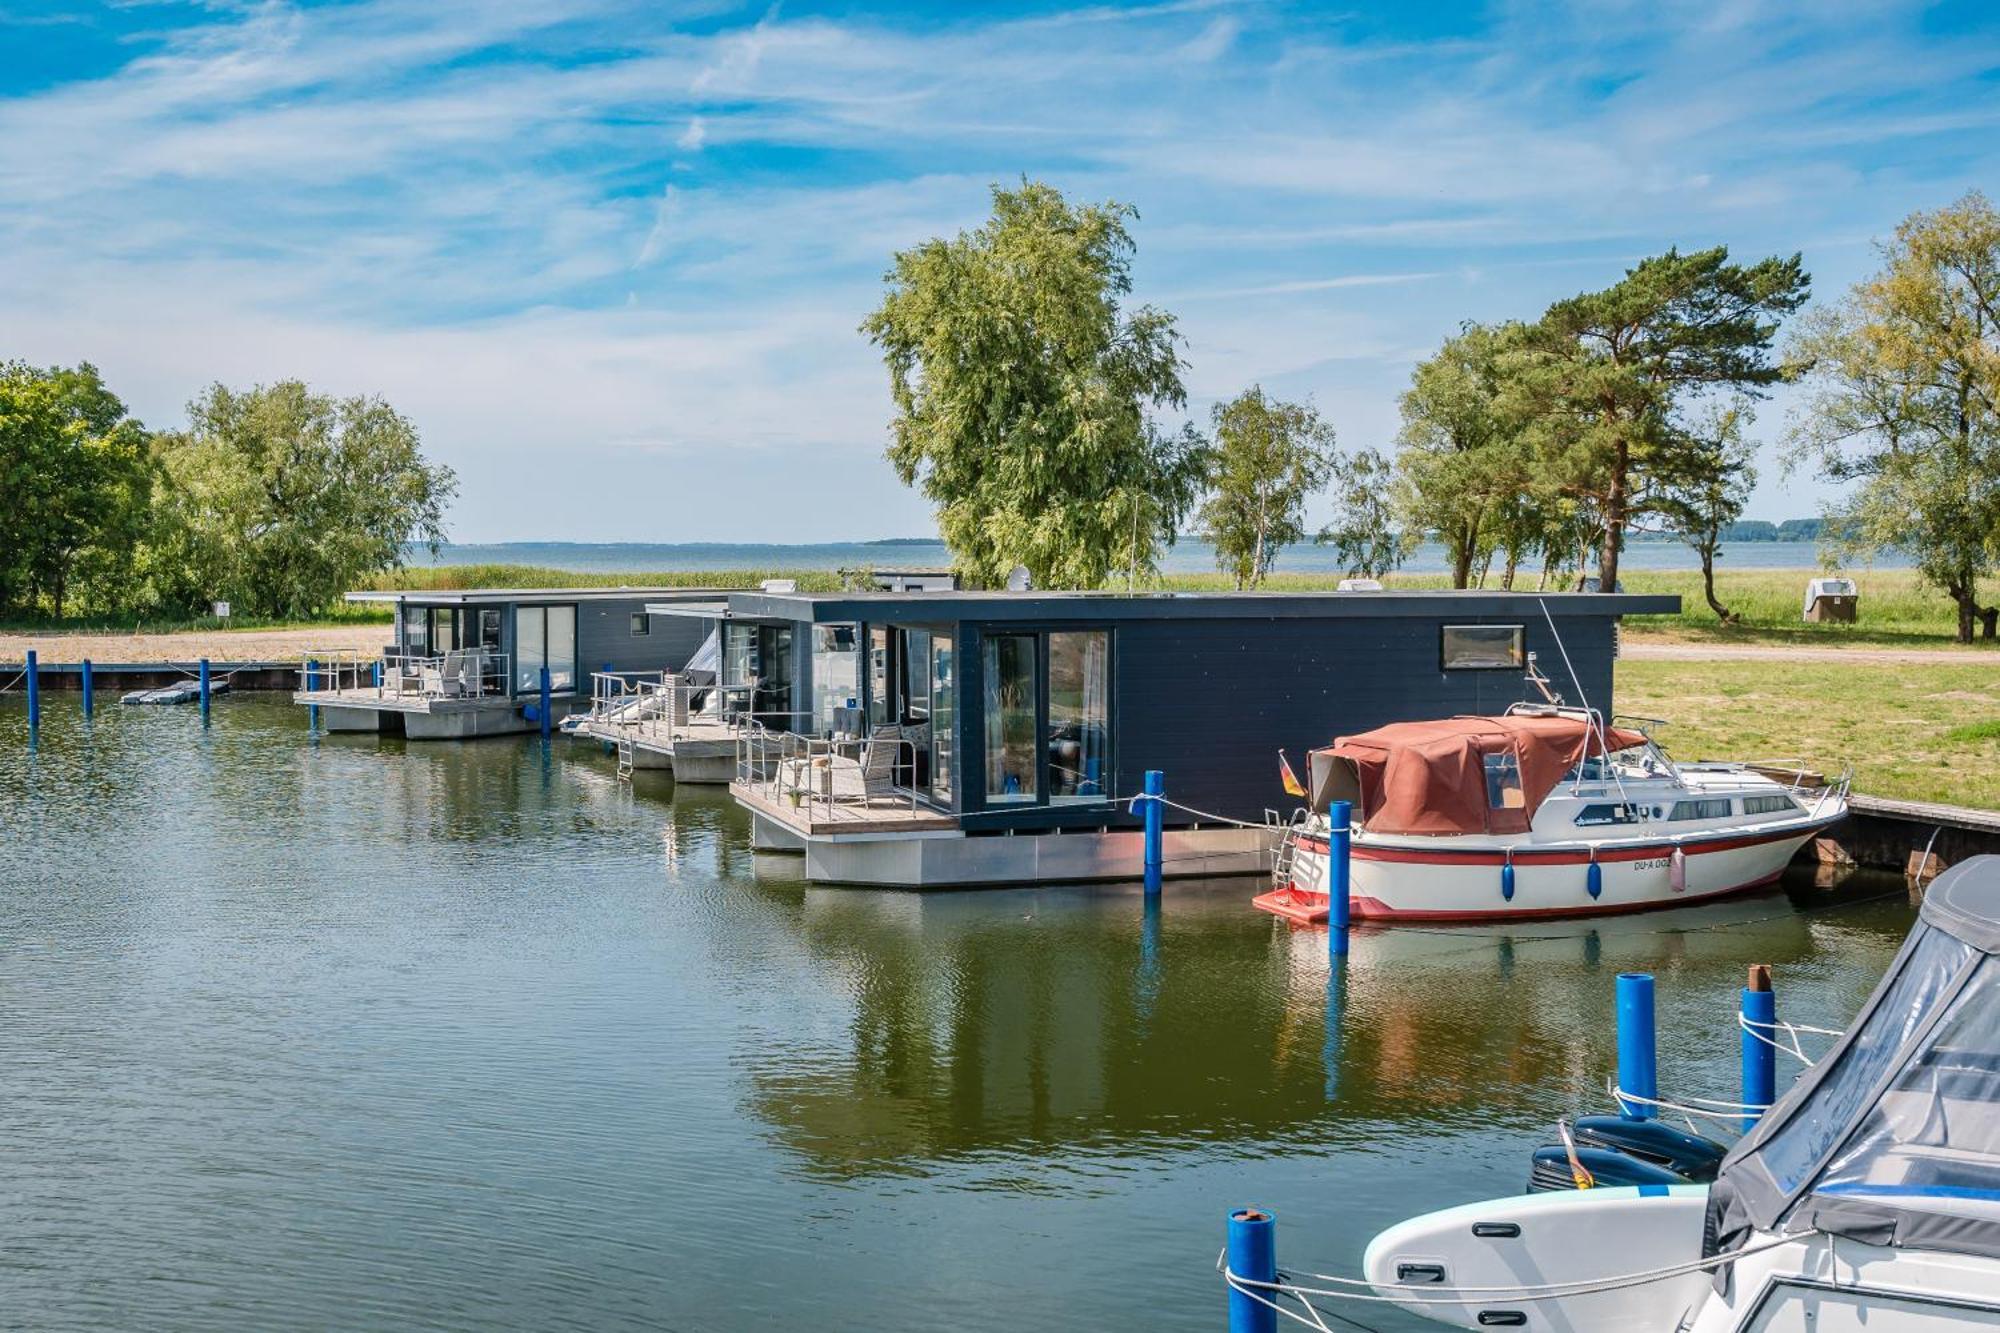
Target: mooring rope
1403,1293
1709,1107
1205,816
1796,1050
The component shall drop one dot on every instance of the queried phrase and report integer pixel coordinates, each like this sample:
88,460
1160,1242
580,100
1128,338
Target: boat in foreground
1867,1198
1543,811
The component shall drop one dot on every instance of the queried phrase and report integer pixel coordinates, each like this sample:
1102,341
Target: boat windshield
1634,761
1932,1141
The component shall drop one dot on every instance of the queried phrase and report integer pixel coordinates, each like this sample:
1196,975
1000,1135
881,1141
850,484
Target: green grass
1922,733
136,623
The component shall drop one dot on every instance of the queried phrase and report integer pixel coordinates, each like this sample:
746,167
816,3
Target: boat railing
785,767
460,673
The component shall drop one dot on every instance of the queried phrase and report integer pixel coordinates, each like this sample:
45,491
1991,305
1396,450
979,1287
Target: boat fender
1691,1156
1507,878
1677,870
1595,877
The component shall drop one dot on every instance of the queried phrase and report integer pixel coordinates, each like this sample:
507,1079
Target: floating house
935,738
466,664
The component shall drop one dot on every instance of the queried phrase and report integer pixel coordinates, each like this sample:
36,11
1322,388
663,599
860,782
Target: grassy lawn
1924,733
434,578
342,614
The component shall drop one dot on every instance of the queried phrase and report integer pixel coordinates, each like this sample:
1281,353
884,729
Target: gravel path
253,645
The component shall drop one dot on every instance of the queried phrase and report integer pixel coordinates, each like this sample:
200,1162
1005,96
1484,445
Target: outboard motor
1612,1150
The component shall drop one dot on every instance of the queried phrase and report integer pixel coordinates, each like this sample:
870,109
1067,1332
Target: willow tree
1268,459
1460,470
1607,381
1905,378
1022,386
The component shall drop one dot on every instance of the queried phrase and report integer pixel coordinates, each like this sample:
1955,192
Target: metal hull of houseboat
1409,880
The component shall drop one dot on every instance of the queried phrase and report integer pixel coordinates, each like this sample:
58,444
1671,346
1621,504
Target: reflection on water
340,1030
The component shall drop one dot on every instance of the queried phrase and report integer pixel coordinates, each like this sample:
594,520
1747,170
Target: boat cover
1458,774
1894,1137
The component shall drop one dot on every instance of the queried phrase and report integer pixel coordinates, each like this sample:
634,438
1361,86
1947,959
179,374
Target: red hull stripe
1448,856
1374,909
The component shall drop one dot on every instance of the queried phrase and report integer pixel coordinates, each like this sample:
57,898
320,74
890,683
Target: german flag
1285,775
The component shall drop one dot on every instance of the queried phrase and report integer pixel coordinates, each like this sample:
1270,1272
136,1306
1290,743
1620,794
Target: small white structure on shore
1831,601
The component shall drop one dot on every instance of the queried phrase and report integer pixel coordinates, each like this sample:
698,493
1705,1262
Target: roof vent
1019,580
779,585
1360,585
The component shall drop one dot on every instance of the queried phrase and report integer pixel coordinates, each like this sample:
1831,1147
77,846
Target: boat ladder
1281,856
625,756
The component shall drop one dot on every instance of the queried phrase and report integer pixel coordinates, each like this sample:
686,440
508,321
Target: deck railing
462,673
804,772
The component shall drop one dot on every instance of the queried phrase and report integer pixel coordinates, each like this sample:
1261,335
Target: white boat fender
1677,870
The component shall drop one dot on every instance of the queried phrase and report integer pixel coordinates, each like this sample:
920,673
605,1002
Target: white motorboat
1543,811
1867,1198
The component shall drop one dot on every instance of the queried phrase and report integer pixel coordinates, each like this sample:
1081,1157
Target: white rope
19,676
1796,1050
1405,1293
1703,1106
1203,815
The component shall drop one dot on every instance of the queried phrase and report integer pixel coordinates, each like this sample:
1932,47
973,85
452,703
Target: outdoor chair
849,780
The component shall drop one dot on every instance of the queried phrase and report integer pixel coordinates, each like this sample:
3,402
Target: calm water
1186,557
348,1033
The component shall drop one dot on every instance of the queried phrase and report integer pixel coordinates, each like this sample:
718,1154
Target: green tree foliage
1269,457
1363,532
1021,387
75,482
1702,500
1606,382
1461,468
1905,374
279,499
1156,488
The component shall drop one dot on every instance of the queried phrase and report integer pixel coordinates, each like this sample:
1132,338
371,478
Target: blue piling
312,683
544,718
1156,810
89,693
1339,854
375,674
34,679
205,687
1638,1065
1253,1256
1760,1057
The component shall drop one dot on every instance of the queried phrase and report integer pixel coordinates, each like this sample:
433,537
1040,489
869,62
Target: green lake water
344,1032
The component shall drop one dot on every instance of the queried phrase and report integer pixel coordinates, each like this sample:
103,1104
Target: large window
1011,708
544,636
881,698
836,674
942,685
1079,714
1484,647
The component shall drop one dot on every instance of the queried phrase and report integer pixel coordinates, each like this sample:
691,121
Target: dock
1919,837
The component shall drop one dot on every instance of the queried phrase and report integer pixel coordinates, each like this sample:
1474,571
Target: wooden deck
817,819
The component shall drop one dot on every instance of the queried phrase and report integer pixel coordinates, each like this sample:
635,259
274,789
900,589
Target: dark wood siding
1211,702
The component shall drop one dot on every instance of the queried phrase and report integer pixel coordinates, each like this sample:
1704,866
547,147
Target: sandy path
1641,649
253,645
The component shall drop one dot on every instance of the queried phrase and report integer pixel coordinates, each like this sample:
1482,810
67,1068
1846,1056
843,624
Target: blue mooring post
1156,810
1339,849
312,684
1253,1256
544,716
205,686
34,678
89,694
1760,1055
1638,1067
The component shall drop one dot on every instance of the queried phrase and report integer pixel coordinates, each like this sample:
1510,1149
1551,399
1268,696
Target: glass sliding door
531,628
943,682
881,694
562,647
836,676
1012,706
1079,734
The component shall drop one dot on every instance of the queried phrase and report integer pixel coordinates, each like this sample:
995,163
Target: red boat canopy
1457,775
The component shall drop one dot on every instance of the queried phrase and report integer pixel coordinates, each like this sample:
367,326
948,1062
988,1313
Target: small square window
1484,648
1503,782
641,624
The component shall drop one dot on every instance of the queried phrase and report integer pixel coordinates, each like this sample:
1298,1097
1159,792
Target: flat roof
488,596
916,607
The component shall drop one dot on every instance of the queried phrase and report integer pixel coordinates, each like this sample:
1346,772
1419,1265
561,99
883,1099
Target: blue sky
610,256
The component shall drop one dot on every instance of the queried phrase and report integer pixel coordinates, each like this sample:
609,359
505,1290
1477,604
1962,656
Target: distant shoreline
1188,556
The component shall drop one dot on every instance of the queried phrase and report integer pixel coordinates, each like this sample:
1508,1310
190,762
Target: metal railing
463,673
806,772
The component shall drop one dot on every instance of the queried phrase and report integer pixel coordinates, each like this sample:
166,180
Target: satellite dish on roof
1018,579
